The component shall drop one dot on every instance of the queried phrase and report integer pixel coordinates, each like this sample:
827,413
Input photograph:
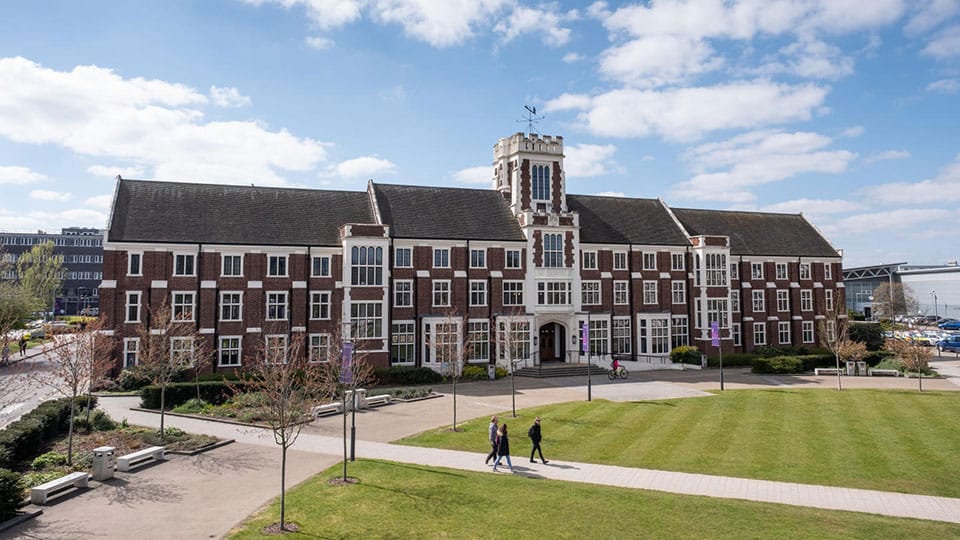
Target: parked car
90,311
950,325
949,344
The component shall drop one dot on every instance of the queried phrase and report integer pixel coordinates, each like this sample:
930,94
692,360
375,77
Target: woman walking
503,448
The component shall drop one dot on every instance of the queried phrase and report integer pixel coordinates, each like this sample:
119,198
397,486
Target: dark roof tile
758,233
619,220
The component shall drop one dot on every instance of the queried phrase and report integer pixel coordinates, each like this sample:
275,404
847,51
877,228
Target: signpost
715,341
585,347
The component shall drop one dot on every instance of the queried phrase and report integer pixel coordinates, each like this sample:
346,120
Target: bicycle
620,372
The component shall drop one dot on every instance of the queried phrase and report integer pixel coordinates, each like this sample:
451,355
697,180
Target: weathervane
531,119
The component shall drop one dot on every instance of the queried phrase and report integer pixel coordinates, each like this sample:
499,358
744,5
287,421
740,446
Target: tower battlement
534,143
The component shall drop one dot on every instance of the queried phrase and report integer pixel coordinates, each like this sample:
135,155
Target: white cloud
688,113
112,172
584,160
47,195
811,58
726,170
927,14
853,131
95,112
658,60
474,175
571,58
364,167
75,217
945,44
99,201
945,187
441,24
610,194
814,206
319,42
19,175
228,97
325,14
945,86
897,220
886,155
544,23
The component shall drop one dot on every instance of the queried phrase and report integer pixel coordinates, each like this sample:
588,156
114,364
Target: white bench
329,408
153,452
39,494
827,371
894,372
383,399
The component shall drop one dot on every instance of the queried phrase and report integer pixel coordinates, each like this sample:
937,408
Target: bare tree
340,376
512,347
913,355
892,299
169,345
835,337
94,347
452,346
291,386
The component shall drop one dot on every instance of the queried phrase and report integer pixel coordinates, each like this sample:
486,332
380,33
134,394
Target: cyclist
616,367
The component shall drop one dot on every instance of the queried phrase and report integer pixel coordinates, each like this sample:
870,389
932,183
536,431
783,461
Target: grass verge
395,500
888,440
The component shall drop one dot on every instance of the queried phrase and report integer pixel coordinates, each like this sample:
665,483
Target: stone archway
552,342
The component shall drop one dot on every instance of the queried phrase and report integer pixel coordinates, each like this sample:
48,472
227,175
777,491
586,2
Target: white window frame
441,257
807,331
783,333
828,299
403,293
804,270
619,260
399,261
224,306
781,269
653,333
478,258
678,291
192,257
128,305
516,255
176,347
679,330
178,307
677,262
783,300
274,343
758,300
128,350
649,260
554,293
363,272
621,334
277,305
223,264
590,293
515,288
366,325
589,260
553,252
139,256
759,333
318,348
715,267
651,292
830,331
735,270
319,300
478,339
827,271
440,287
735,301
806,300
736,335
436,333
318,264
408,331
621,292
276,263
478,292
518,327
221,350
756,271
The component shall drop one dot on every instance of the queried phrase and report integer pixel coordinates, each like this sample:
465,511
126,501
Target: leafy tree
870,334
835,337
913,356
291,385
890,300
169,345
41,273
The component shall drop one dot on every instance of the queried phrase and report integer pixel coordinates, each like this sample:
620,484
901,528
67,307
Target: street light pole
936,309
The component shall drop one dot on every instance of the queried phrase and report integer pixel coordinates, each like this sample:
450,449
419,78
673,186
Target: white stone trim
496,274
254,284
423,273
158,284
459,274
207,331
299,285
254,330
665,275
207,284
108,284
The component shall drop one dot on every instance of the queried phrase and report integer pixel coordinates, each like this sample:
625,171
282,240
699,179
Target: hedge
11,494
685,355
216,392
406,375
870,334
732,360
21,439
777,364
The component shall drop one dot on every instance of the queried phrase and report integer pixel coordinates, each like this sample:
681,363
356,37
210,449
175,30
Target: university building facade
401,269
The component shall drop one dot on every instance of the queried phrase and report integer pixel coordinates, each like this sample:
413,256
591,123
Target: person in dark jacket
535,437
503,448
23,344
492,436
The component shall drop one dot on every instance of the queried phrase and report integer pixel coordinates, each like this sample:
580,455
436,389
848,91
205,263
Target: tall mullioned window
366,265
552,251
541,182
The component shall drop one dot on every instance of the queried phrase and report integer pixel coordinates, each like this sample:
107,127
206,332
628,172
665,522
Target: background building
524,263
82,251
936,288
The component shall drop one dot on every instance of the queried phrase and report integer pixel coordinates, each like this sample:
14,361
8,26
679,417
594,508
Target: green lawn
395,500
887,440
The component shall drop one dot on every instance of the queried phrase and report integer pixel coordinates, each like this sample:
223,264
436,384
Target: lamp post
936,309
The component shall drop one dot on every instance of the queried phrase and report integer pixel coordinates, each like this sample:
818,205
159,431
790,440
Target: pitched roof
758,233
448,213
619,220
149,211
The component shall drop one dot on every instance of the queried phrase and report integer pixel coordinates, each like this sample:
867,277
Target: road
20,392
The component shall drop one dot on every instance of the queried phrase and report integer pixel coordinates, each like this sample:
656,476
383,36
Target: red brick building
524,261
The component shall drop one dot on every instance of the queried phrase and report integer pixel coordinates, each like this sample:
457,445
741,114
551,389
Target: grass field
407,501
888,440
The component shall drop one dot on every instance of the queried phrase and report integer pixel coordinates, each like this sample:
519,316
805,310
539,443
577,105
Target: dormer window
541,182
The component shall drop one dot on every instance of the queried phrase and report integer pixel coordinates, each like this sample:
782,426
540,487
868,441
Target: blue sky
844,110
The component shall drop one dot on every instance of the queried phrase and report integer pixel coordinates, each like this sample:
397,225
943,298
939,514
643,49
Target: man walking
492,436
535,437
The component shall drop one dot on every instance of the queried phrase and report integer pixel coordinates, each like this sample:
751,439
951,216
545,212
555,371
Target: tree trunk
837,356
163,394
196,378
283,486
454,403
920,378
344,396
73,405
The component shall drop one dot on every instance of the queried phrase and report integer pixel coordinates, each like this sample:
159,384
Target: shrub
870,334
685,355
813,361
501,372
193,405
49,461
732,360
130,380
891,362
474,373
875,358
216,392
11,494
21,439
401,375
777,364
410,393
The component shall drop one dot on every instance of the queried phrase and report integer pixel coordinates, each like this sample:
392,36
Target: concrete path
231,482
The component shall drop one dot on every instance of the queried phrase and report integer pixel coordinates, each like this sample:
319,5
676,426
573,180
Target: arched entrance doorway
553,340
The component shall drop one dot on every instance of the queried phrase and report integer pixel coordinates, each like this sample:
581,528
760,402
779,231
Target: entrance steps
560,370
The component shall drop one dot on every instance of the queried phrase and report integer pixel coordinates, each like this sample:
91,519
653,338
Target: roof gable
620,220
758,233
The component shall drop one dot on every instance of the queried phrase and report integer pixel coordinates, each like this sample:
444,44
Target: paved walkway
231,482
